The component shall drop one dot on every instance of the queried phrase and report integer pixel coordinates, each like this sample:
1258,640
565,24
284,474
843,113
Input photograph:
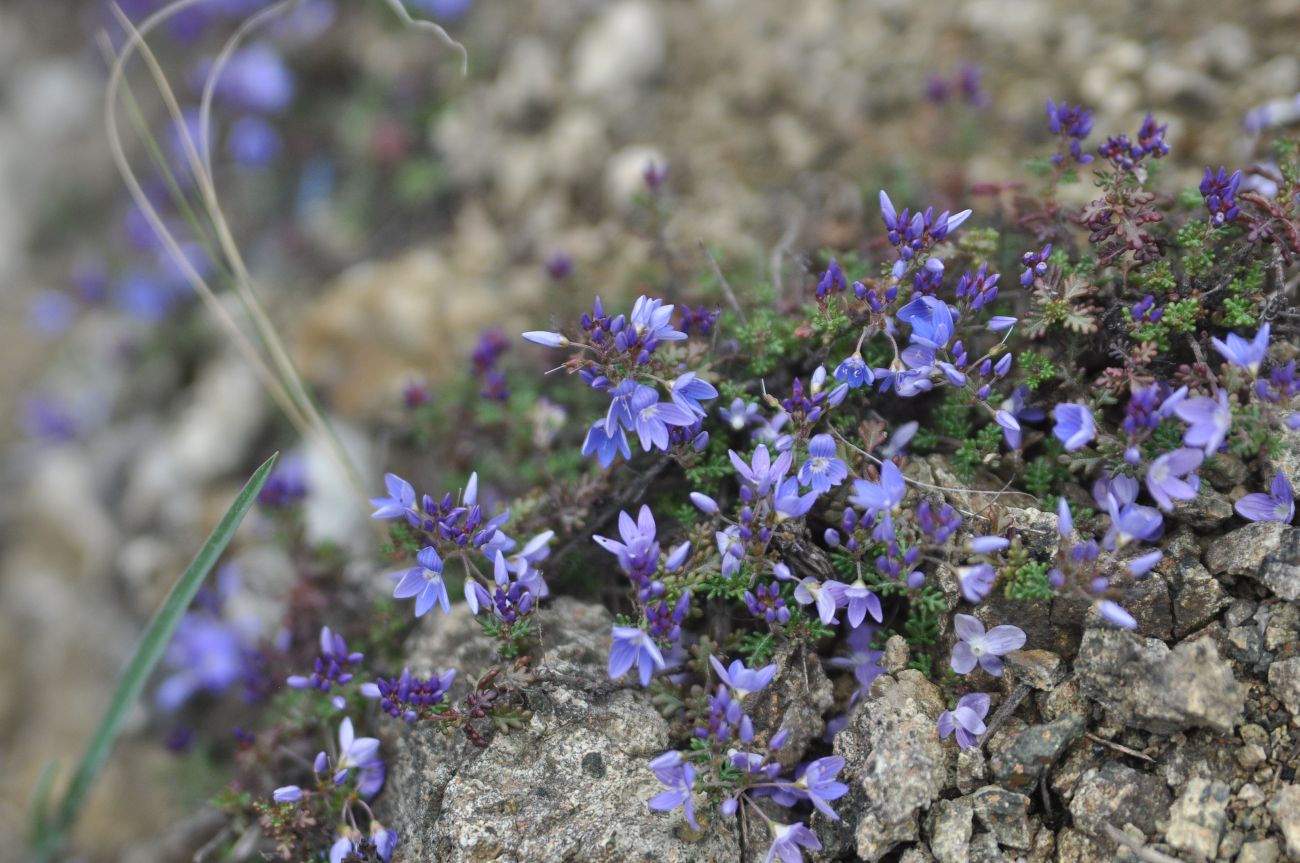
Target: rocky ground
774,118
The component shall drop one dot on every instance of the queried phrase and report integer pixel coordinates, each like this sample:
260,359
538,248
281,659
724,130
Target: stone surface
1017,760
1285,808
795,700
1142,682
1262,851
1196,595
1005,814
1280,572
950,826
1242,551
572,784
1197,817
1118,795
1284,682
894,755
1041,669
1207,511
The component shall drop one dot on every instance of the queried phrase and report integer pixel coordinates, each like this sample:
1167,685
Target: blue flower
654,417
823,471
1248,355
639,551
975,582
931,320
400,500
1277,505
1219,191
788,503
761,473
650,319
742,680
881,496
1211,420
975,645
967,719
1131,522
605,446
787,839
1074,426
688,390
633,646
740,414
1165,477
679,775
818,785
854,372
287,794
425,583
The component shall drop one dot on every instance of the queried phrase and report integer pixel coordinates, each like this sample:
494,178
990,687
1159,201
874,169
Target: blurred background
390,211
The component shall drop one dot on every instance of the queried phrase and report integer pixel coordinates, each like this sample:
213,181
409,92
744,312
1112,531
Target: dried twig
723,283
1118,747
1004,711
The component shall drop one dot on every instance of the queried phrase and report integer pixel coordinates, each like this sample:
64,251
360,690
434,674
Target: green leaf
157,636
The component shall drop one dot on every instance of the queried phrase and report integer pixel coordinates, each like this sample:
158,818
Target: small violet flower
633,646
823,471
1165,477
1210,420
1074,426
787,839
1248,355
975,645
1277,505
967,719
425,583
679,775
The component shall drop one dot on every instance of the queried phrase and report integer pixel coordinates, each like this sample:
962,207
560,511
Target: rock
1280,572
1261,851
1041,669
795,700
984,849
1281,622
1148,600
1018,760
971,769
1005,814
1197,817
620,51
1197,596
572,784
896,655
1207,511
1066,699
1141,682
894,755
950,826
1118,795
1284,682
1224,471
1285,807
1242,551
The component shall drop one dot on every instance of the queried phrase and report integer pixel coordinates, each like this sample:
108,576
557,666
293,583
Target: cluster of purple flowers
1128,155
967,83
1219,191
331,667
1072,124
492,343
408,697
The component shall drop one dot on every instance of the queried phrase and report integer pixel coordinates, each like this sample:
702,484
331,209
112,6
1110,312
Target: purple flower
1112,613
786,841
1219,191
634,646
858,598
425,583
967,719
832,281
406,696
256,79
1210,420
650,320
818,785
761,473
1277,505
679,775
810,591
383,840
253,142
823,471
206,655
1248,355
931,320
688,391
347,845
361,753
974,645
639,551
547,339
740,414
1073,124
287,794
882,496
331,666
975,582
604,445
1074,426
743,680
862,660
654,417
400,500
1165,477
854,372
704,503
788,503
1131,522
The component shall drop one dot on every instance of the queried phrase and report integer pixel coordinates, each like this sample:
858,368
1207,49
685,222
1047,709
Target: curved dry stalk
443,36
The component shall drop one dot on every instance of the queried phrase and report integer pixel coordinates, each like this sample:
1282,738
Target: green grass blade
156,638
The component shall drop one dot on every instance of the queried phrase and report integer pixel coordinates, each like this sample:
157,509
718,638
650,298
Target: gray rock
1281,622
1225,471
1242,551
896,654
1118,795
1151,605
1261,851
795,700
893,753
1197,817
1285,807
984,849
1018,760
1141,682
1197,596
1040,669
949,827
972,769
1280,572
620,51
1005,814
1284,682
1207,511
572,784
